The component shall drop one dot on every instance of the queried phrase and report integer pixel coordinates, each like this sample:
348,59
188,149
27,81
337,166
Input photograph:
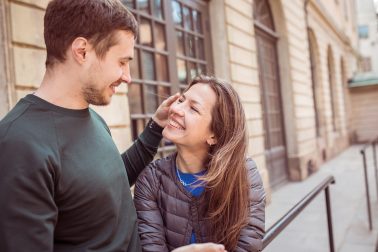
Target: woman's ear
211,141
79,49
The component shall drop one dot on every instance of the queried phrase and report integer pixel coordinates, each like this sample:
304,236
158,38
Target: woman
207,191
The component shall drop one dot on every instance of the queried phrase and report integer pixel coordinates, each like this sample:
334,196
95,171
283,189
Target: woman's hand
161,114
201,247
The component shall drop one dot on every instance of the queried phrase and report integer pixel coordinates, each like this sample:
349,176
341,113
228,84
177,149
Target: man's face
104,75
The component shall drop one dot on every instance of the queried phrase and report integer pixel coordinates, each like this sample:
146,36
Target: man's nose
126,76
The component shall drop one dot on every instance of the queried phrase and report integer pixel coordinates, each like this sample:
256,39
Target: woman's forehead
201,93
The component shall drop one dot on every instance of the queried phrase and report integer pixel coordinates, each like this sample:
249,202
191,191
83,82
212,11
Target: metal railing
363,153
282,223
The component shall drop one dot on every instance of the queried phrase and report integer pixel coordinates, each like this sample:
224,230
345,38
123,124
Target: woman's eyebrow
195,102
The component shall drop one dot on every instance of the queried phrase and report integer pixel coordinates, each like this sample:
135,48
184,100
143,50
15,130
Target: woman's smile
173,123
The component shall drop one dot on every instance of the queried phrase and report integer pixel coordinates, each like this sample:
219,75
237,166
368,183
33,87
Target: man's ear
211,141
79,49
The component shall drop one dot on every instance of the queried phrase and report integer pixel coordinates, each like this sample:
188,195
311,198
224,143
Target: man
63,184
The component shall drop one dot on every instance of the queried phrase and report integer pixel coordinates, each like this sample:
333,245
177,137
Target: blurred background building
290,61
364,85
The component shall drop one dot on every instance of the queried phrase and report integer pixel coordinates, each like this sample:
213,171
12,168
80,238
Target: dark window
332,88
173,46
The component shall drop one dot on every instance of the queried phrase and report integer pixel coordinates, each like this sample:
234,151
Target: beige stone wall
303,120
336,31
239,65
365,112
333,31
28,56
4,62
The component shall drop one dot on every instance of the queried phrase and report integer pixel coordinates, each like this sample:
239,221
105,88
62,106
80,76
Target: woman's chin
167,135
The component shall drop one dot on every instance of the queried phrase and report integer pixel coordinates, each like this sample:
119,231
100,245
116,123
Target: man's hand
161,114
201,247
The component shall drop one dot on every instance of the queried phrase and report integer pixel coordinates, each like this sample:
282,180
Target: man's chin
100,102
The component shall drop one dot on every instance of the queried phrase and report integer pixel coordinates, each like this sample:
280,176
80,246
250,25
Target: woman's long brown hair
227,186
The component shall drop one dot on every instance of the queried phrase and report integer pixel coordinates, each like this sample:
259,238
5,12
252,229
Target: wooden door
275,149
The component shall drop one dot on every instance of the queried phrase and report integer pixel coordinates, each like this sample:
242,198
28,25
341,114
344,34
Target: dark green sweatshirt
63,184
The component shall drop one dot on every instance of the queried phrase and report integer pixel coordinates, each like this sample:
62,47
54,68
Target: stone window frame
152,82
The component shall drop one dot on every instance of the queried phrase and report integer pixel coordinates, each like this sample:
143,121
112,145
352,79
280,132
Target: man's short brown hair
95,20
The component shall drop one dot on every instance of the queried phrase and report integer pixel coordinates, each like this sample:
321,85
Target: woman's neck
189,161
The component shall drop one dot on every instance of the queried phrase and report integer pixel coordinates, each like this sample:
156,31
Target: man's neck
189,161
61,87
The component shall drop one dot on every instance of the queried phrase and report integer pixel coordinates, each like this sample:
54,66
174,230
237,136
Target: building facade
288,59
364,85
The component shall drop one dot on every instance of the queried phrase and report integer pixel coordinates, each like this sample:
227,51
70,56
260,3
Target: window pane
197,21
143,6
151,98
134,66
187,18
129,3
363,31
135,98
158,13
145,32
201,69
164,93
200,48
181,71
180,42
162,68
176,13
190,44
192,69
160,36
138,127
148,65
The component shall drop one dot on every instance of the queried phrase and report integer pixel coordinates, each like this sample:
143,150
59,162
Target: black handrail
363,153
282,223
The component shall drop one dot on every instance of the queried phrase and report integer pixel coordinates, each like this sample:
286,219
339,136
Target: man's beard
94,96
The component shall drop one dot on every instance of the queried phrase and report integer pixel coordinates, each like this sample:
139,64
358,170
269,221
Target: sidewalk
308,232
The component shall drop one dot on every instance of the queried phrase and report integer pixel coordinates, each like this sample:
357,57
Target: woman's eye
194,109
180,100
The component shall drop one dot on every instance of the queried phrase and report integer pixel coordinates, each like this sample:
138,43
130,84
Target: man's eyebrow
126,58
192,101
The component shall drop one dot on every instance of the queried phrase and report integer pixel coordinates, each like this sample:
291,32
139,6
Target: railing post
329,220
367,189
375,164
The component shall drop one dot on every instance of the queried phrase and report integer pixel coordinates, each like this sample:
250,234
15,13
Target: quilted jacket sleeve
251,235
150,222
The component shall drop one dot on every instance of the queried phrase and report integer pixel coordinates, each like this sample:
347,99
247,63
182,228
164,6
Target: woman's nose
177,108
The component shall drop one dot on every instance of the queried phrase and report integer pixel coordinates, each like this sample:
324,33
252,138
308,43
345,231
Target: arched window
271,101
332,87
313,48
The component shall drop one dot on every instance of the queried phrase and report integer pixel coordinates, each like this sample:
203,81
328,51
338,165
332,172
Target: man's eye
180,100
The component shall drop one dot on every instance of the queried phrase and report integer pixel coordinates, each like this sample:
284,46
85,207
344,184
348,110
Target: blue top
189,180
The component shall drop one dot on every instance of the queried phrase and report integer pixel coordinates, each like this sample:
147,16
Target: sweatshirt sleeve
141,153
28,213
252,234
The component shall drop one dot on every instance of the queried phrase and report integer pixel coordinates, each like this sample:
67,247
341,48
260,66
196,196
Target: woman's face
190,118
